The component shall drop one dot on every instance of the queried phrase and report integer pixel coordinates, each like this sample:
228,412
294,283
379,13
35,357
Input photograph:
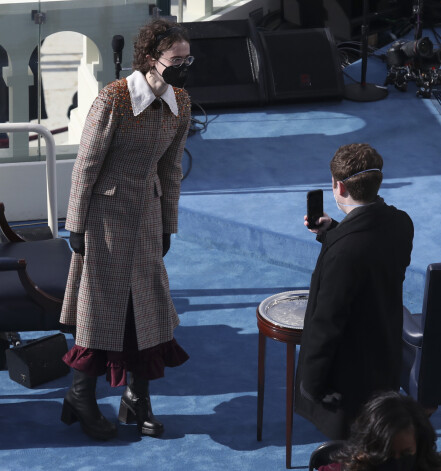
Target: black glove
77,242
165,244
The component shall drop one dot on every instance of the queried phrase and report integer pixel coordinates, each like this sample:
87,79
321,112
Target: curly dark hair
380,420
153,39
354,158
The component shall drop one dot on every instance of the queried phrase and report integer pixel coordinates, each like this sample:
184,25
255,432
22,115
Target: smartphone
314,207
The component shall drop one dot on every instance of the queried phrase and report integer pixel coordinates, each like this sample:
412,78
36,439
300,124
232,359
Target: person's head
356,168
392,432
161,44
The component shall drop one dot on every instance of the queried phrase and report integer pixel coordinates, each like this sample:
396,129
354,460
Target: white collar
142,95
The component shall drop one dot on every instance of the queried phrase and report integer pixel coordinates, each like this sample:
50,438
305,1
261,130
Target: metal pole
51,168
181,11
164,6
364,42
418,12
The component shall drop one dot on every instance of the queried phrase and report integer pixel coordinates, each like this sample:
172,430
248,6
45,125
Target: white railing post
51,168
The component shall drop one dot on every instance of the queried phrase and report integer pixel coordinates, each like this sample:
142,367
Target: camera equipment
414,61
364,91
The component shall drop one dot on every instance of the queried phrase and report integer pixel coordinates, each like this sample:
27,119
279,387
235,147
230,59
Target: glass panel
4,98
66,46
218,4
39,19
19,75
77,60
75,56
61,55
55,56
195,10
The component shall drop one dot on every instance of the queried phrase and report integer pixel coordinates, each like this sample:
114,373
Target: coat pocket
158,189
105,187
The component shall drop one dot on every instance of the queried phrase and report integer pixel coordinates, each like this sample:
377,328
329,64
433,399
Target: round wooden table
280,317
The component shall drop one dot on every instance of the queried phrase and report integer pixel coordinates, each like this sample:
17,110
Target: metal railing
51,170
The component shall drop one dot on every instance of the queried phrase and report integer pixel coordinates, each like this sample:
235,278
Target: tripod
364,91
418,13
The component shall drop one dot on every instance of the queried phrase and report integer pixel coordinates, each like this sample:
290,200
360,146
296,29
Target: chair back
321,456
429,375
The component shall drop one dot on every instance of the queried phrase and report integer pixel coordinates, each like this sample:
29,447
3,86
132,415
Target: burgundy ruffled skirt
148,363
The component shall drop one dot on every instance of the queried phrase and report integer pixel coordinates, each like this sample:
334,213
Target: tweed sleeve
95,141
170,167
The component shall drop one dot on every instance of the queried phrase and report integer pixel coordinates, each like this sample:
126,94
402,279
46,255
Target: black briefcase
38,361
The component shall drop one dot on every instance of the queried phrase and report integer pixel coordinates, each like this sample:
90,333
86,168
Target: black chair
321,456
421,376
33,276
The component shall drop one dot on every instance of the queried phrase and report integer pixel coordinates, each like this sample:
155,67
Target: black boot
80,404
136,405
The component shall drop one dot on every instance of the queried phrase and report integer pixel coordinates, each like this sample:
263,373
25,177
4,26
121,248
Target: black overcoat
351,342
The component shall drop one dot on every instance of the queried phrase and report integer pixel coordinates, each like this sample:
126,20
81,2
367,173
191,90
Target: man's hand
324,222
332,400
76,241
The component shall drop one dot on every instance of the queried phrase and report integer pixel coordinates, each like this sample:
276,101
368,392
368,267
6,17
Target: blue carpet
241,240
261,182
208,405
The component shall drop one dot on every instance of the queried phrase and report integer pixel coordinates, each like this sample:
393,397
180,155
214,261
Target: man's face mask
338,204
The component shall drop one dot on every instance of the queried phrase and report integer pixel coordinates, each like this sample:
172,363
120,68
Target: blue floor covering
241,238
208,405
253,168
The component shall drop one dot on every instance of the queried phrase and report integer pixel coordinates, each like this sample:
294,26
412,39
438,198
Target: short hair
153,39
353,158
380,420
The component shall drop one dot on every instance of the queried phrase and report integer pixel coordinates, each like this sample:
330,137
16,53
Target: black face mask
404,463
175,76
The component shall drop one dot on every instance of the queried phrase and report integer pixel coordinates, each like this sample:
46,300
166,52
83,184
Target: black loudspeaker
227,70
312,13
301,64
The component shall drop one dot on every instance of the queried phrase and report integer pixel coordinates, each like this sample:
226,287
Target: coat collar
142,96
360,219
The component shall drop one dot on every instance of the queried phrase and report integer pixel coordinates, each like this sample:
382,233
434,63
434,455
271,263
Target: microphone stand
364,91
117,46
118,69
418,12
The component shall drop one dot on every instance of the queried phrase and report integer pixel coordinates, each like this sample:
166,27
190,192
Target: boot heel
68,415
125,416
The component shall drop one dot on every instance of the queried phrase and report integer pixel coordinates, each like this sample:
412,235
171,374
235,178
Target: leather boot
80,405
136,406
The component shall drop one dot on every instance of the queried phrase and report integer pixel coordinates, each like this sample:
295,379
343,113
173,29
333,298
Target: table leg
260,384
290,364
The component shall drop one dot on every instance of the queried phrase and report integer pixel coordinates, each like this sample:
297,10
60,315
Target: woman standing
122,209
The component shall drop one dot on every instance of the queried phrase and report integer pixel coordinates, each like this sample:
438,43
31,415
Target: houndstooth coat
124,196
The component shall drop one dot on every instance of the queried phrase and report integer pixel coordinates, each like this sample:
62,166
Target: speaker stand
364,91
